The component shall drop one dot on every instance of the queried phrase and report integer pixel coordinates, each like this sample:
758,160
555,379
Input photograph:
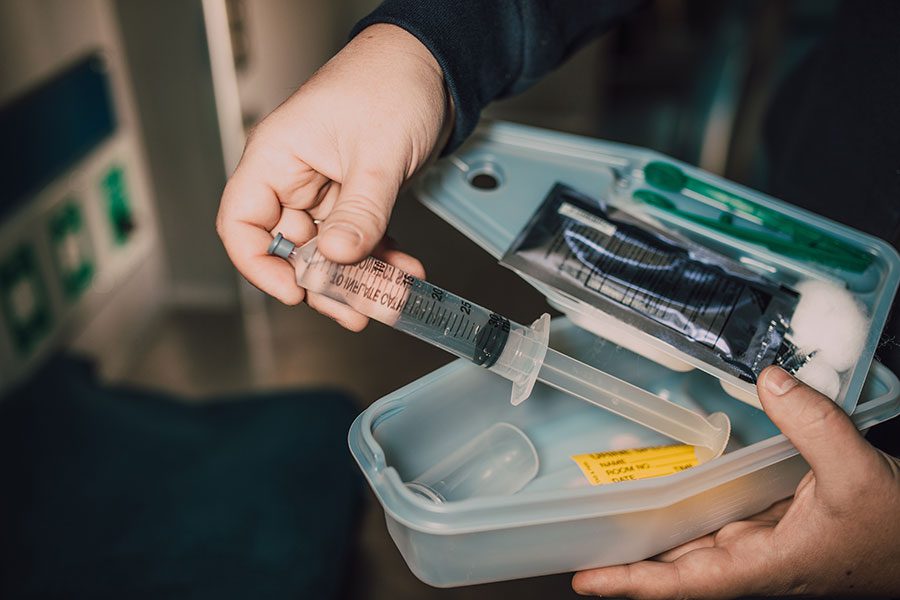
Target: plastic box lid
526,162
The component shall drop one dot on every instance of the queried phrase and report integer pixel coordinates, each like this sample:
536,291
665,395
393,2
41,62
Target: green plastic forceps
786,236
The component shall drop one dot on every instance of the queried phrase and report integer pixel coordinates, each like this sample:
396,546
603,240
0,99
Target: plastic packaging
696,300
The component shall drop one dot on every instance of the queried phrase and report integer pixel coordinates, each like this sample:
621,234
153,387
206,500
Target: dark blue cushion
122,493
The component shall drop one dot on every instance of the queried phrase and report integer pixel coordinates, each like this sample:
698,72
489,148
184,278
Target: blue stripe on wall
51,128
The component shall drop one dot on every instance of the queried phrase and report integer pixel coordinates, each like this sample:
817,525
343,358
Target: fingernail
779,382
345,233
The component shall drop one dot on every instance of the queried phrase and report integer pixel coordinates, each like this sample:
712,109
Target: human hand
838,535
330,161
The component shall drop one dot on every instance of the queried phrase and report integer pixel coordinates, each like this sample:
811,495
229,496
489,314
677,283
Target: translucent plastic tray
526,162
560,523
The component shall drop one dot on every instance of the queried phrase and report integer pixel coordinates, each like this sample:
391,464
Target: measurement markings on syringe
430,311
371,279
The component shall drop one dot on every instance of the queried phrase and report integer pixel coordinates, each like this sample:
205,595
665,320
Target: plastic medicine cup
499,461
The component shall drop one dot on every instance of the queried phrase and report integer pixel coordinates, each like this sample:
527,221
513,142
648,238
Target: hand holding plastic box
559,522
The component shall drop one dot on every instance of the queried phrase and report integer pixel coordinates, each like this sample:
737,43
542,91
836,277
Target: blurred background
120,121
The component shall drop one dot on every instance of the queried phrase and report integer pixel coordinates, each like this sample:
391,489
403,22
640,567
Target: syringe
521,354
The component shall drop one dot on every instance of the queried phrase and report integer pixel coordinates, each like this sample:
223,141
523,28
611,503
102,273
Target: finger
649,580
818,428
271,274
305,192
249,209
326,202
638,580
360,214
295,183
295,225
402,261
808,481
345,316
774,513
707,541
770,516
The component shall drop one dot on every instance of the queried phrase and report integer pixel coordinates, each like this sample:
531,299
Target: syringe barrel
392,296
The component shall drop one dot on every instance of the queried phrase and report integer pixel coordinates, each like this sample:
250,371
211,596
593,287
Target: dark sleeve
493,48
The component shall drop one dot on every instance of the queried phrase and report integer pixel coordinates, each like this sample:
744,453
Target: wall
168,57
39,39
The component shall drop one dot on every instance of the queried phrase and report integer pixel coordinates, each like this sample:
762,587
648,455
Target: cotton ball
819,376
829,321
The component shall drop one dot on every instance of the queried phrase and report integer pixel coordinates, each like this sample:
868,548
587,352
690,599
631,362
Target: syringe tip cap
281,246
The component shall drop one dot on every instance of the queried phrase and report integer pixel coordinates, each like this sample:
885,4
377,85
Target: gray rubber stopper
281,246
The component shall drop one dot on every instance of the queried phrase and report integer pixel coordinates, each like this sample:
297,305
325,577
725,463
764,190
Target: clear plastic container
558,522
524,163
499,461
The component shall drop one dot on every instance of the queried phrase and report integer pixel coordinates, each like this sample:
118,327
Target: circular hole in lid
484,181
485,176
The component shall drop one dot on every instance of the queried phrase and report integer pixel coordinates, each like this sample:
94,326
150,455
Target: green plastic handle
805,241
774,242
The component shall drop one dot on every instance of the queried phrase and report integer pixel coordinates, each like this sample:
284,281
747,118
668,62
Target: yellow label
636,463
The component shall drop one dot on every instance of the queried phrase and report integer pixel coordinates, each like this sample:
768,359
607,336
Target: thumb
360,215
823,433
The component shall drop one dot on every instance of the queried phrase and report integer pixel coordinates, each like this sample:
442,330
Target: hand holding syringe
516,352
